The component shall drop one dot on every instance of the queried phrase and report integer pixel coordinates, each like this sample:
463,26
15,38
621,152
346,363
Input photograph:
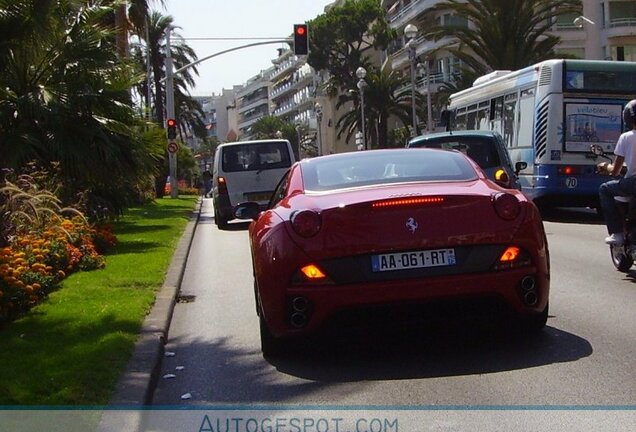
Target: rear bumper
307,309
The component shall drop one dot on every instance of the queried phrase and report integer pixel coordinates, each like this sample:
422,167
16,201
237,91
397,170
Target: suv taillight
222,186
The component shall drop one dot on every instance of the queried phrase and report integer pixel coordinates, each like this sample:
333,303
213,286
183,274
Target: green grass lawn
72,349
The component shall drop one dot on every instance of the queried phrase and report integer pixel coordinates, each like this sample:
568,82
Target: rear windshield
255,156
384,167
480,149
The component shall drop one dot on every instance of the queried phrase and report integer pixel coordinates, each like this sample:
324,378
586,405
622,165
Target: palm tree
64,98
129,15
181,53
503,34
385,96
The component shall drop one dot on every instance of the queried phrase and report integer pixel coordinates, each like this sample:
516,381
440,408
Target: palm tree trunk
121,23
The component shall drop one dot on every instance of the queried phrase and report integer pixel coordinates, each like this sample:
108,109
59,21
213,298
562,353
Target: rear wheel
535,323
219,220
622,261
270,346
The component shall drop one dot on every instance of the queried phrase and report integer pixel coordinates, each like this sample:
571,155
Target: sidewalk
137,384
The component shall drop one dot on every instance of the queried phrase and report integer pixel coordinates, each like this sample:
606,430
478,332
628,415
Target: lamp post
429,108
361,73
410,31
318,109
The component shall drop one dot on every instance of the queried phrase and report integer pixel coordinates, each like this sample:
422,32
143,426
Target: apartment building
606,30
252,102
292,96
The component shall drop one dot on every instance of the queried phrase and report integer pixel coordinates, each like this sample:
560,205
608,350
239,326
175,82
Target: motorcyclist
625,153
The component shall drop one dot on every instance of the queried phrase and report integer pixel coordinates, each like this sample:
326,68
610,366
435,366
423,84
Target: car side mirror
247,210
520,166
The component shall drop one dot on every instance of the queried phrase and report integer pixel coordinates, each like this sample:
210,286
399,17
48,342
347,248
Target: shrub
41,246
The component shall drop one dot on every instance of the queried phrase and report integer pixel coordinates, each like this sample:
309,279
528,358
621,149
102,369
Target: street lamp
361,73
318,109
410,31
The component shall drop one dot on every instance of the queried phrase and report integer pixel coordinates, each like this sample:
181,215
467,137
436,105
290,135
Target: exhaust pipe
530,298
300,304
528,283
298,319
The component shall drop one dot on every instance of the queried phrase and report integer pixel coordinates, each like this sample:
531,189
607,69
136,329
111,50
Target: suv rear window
481,150
255,156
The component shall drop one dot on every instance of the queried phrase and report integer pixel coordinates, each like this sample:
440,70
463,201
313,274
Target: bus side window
510,109
496,114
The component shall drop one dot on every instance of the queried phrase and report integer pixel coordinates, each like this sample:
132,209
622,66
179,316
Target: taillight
407,201
306,223
571,169
222,186
313,272
510,254
512,257
506,205
502,176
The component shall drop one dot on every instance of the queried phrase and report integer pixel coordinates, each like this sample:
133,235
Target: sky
273,19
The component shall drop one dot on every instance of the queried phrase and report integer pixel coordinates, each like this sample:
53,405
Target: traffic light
301,39
172,128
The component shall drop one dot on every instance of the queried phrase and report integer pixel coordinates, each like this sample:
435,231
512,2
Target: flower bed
36,261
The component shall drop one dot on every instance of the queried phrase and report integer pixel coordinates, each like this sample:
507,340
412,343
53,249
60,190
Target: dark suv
487,148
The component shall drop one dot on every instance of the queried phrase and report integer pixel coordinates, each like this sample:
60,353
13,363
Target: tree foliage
272,127
343,38
504,34
385,96
64,97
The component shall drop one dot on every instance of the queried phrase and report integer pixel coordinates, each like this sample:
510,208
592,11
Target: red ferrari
360,230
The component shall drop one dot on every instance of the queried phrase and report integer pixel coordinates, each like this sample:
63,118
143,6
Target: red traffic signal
172,128
301,39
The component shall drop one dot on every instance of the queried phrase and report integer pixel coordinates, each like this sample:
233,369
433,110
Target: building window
571,52
623,53
622,14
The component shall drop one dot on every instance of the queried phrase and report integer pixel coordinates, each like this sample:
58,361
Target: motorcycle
623,256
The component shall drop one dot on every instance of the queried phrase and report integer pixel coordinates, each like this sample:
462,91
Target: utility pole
172,155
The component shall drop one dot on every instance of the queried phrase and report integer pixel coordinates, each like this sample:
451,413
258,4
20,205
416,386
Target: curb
137,383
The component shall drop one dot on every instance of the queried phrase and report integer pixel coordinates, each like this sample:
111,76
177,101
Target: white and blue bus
549,115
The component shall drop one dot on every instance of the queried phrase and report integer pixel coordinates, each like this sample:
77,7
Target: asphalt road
585,356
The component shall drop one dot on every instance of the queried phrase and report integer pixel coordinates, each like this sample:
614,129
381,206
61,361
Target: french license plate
260,196
413,260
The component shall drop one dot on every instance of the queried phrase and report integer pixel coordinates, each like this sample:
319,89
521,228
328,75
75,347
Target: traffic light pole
172,156
169,80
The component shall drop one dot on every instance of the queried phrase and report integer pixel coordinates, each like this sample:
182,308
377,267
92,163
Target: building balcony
263,100
437,79
282,90
284,68
250,121
400,58
286,109
400,17
252,87
620,27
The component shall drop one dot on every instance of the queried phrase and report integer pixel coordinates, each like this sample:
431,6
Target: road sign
173,147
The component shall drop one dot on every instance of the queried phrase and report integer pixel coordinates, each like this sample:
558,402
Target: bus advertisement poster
589,123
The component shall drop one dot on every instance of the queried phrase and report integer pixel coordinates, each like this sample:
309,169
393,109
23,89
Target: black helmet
629,113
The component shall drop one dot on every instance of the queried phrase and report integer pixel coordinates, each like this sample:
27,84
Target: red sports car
360,230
